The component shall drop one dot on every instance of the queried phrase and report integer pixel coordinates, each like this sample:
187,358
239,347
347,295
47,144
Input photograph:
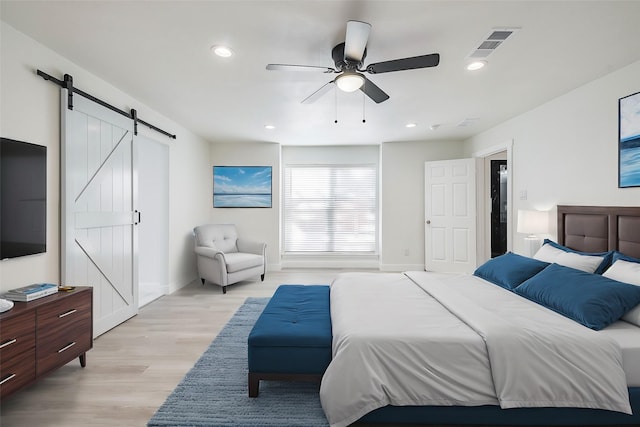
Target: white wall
403,200
30,111
254,223
402,194
565,151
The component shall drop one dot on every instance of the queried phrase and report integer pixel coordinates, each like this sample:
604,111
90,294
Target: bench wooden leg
254,385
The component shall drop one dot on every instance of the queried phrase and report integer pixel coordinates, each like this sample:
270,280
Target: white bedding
627,336
394,343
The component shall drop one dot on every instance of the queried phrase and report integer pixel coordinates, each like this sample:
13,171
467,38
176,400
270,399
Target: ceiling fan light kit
350,82
348,58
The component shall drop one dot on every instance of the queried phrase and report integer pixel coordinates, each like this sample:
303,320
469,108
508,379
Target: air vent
491,42
468,122
501,34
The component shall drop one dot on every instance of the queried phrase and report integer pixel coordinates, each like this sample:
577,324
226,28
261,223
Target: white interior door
99,236
153,230
450,215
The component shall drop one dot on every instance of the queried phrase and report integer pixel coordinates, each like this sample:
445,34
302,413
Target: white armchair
224,259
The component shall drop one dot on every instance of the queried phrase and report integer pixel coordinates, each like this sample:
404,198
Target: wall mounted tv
23,198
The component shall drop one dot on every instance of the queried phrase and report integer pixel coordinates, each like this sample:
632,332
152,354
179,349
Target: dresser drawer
59,316
17,335
61,351
17,372
64,331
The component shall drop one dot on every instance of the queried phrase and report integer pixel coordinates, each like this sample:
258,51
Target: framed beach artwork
242,186
629,141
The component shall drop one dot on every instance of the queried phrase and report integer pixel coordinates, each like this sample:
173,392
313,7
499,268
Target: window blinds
330,209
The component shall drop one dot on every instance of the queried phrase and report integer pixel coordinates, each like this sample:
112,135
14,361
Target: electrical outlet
406,252
523,194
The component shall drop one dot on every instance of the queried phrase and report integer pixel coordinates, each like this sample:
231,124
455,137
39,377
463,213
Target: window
330,209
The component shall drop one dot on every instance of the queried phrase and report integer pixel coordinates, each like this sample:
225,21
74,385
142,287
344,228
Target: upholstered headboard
600,228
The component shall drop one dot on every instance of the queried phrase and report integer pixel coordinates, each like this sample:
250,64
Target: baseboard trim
174,286
330,263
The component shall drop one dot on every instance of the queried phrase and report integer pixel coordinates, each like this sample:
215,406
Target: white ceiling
158,52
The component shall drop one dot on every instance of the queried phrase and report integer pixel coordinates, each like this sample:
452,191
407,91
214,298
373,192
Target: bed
474,356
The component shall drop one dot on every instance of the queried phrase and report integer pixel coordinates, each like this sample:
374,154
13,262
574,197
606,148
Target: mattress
627,336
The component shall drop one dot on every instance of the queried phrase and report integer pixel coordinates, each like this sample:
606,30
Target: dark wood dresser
39,336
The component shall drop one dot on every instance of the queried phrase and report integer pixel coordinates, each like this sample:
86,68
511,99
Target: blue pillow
590,299
509,270
618,255
607,256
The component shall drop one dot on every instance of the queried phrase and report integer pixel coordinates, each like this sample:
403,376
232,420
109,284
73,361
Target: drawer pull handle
10,377
5,344
67,313
66,347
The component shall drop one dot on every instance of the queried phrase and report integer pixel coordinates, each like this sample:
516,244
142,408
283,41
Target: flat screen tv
23,198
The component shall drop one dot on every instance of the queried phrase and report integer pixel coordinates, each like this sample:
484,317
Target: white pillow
548,253
628,272
587,263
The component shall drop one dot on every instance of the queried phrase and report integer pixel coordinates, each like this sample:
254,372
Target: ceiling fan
349,58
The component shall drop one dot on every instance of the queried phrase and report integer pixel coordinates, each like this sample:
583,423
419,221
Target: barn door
99,237
450,216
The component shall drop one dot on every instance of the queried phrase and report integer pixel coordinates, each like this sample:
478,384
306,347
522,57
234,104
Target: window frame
375,210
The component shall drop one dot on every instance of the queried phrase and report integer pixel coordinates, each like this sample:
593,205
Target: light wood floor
133,368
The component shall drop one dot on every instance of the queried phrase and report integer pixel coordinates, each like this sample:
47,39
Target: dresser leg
83,359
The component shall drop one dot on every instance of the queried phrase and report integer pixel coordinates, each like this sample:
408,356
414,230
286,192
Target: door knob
428,221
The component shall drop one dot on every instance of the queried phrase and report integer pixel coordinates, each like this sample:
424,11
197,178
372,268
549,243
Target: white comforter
433,339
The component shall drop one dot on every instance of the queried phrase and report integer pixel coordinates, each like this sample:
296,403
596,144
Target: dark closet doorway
498,179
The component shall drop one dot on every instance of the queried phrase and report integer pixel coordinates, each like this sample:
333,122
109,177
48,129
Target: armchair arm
251,246
208,252
212,265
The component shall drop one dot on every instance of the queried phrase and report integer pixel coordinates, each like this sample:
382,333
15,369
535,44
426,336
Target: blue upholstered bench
291,340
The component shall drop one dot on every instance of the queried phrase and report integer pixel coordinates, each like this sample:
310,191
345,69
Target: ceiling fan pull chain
363,103
336,103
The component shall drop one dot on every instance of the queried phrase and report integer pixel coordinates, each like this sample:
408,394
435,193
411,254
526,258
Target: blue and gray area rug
214,391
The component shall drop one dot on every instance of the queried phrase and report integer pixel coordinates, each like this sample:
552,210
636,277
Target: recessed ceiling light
222,51
270,127
410,125
476,65
434,126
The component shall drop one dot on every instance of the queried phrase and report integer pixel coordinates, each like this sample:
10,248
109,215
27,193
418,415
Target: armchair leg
202,280
262,277
224,289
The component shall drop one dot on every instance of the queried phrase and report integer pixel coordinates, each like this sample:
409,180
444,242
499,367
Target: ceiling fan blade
319,93
289,67
373,91
356,40
422,61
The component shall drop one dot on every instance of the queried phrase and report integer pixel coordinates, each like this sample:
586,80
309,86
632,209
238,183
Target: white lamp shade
533,222
350,82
